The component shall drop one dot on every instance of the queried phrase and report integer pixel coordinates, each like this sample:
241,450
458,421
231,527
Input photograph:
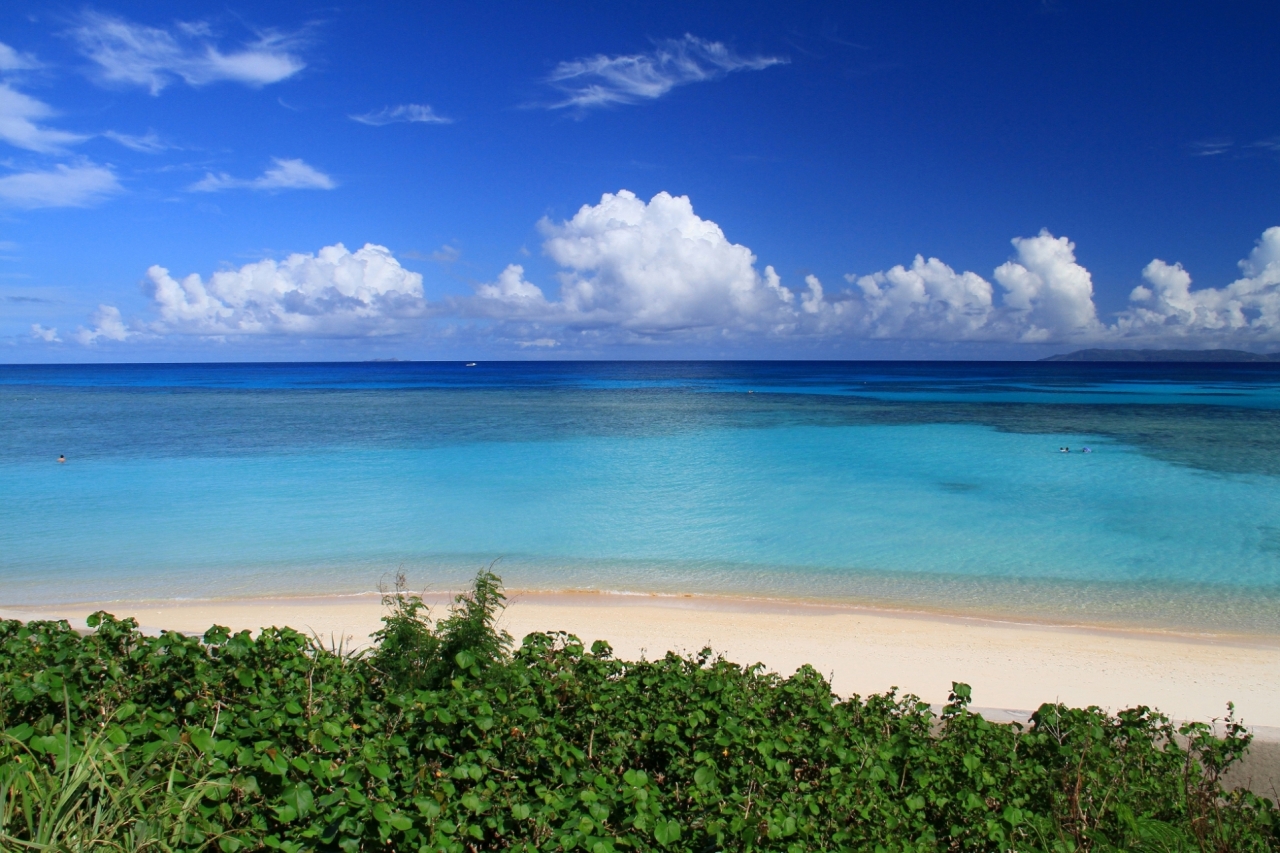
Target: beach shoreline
1013,666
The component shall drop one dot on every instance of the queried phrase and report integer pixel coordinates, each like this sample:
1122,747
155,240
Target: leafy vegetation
442,738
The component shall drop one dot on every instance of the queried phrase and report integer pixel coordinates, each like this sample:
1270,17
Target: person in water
1064,449
61,459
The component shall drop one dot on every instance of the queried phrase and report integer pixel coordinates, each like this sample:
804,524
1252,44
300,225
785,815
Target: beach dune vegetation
442,736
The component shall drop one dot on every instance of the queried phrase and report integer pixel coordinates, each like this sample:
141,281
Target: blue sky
636,180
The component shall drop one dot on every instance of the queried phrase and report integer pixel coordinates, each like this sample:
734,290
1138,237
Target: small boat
471,364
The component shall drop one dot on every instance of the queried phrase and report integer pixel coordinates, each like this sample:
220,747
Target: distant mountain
1221,355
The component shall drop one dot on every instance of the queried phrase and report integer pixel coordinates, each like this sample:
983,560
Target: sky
289,181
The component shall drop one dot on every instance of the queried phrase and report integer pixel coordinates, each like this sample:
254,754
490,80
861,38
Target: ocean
923,486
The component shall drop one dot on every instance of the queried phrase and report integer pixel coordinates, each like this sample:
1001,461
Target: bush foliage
442,738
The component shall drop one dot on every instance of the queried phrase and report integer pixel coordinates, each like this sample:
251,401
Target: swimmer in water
1064,449
61,459
1086,450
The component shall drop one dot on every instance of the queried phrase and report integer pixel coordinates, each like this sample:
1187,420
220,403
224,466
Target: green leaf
203,741
704,777
666,832
299,797
21,732
464,659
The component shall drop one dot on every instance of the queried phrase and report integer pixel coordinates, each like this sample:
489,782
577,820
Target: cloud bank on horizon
636,272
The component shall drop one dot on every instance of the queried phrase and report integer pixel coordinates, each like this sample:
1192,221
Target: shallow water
934,485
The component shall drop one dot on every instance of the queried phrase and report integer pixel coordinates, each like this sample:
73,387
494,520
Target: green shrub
443,738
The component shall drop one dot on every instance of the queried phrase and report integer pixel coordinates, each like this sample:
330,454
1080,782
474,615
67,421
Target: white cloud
1045,296
147,144
49,336
1049,294
636,272
62,186
602,80
1246,310
19,115
643,270
421,113
285,175
334,292
134,54
926,300
107,325
631,270
11,60
512,290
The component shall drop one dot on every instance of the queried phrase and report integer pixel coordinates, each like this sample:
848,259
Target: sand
1012,667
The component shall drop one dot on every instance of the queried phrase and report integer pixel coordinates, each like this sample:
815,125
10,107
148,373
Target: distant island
1220,355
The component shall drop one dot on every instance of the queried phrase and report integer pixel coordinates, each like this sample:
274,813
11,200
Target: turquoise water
935,486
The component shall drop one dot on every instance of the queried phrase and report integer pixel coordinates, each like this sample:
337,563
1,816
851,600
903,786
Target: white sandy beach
1012,667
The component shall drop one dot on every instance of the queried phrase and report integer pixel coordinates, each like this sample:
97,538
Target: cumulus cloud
602,80
1045,295
127,53
418,113
635,272
108,325
1245,310
1048,294
49,336
643,270
333,293
19,117
631,270
926,300
285,175
512,291
79,185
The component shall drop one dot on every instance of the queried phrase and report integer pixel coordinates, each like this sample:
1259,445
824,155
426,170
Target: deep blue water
934,485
